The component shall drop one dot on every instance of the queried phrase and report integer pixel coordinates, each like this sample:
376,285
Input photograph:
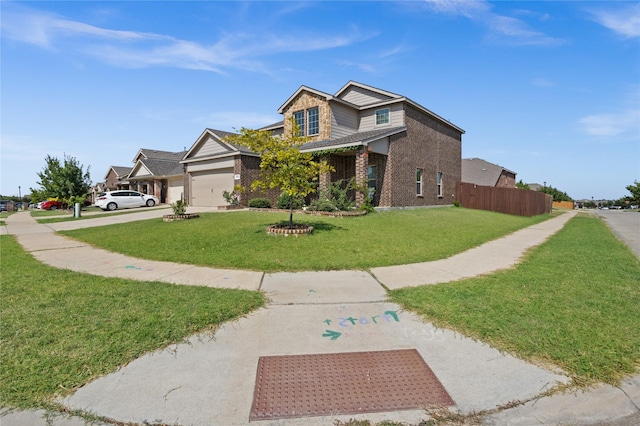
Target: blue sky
547,89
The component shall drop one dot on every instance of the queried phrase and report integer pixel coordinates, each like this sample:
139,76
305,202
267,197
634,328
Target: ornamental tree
63,180
282,165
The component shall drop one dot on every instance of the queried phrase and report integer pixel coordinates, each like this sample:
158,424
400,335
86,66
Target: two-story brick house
407,155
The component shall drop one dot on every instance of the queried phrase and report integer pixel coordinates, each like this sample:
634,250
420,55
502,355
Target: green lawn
238,239
574,302
60,329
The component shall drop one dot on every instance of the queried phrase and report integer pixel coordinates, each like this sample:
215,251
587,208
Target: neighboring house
535,186
116,178
97,189
406,154
483,173
158,173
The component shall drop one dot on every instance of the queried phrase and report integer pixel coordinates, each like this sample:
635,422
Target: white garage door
176,190
207,187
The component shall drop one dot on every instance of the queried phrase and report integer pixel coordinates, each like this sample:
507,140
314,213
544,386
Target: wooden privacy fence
520,202
567,205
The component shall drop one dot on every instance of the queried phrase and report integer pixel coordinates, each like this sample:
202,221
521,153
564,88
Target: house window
419,182
371,181
313,121
382,117
299,117
439,183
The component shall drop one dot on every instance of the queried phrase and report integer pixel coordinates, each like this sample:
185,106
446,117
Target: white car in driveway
125,199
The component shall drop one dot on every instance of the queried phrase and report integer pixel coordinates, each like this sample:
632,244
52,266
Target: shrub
179,207
322,205
283,202
340,194
260,203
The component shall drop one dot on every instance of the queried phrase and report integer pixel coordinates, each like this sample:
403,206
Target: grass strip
574,303
60,329
55,216
238,239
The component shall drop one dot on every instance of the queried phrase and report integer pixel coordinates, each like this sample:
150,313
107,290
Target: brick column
325,178
362,162
157,188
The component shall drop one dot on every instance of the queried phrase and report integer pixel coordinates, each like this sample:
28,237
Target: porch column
325,178
362,162
157,189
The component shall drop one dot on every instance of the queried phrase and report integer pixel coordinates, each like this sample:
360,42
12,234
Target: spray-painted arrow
333,334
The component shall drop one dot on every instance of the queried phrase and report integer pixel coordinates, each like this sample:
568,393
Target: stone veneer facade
303,102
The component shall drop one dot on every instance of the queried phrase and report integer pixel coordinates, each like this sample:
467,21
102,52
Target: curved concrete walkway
210,381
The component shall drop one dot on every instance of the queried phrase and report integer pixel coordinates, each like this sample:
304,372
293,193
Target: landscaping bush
322,205
283,202
260,203
341,194
337,197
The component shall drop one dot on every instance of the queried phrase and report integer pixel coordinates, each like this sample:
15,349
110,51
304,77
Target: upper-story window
382,117
313,121
310,126
299,117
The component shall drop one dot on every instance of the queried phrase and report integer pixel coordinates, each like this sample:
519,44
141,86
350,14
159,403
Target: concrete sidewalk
210,380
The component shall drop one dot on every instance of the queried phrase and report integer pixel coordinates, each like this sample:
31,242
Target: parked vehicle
113,200
3,206
51,205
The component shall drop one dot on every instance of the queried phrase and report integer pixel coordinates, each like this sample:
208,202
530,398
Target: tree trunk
290,212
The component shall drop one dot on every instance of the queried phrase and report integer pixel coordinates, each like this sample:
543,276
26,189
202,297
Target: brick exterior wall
429,145
248,167
506,180
303,102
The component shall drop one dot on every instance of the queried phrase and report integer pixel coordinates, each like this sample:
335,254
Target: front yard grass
60,329
574,303
238,239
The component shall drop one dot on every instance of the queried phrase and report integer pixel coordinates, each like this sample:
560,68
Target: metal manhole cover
344,383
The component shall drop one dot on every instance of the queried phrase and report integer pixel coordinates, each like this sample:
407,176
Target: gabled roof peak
300,90
366,87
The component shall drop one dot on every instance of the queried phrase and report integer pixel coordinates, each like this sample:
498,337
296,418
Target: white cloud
131,49
624,21
612,124
504,29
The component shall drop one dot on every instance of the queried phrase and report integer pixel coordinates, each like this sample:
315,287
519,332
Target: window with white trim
382,117
299,117
439,183
419,173
313,121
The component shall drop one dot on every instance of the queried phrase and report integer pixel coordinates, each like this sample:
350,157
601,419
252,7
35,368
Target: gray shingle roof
481,172
163,155
121,171
159,167
355,139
